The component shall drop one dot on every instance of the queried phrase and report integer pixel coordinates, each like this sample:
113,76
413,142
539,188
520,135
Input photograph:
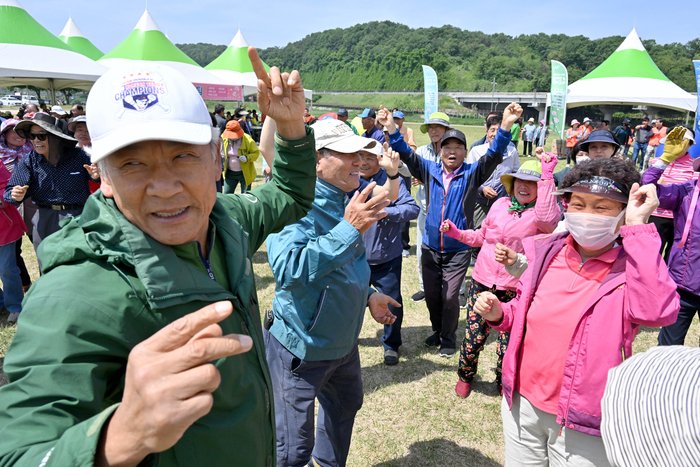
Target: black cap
342,112
599,136
454,134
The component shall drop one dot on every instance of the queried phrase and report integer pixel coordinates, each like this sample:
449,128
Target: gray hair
325,152
213,147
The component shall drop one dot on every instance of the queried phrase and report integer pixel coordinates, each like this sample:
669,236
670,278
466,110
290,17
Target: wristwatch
394,177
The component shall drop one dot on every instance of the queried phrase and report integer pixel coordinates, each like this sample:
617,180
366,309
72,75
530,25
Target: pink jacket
11,224
637,291
501,226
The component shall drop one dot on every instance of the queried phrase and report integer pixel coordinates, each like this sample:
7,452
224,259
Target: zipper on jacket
318,310
568,401
442,219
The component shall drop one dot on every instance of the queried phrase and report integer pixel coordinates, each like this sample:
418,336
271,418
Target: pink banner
220,92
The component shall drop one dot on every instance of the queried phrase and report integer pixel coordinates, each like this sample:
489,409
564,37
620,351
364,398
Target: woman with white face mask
582,299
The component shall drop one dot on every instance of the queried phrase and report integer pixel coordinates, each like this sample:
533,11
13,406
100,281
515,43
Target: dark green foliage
358,58
202,53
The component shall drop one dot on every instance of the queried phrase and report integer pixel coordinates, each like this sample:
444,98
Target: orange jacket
572,136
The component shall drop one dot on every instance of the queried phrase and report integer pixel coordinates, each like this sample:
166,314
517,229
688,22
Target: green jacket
106,287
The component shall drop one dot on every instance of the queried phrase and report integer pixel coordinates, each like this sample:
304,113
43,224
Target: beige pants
532,439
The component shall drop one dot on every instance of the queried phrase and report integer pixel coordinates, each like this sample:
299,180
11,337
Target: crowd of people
142,343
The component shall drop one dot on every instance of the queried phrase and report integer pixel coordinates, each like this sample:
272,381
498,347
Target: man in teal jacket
322,290
141,344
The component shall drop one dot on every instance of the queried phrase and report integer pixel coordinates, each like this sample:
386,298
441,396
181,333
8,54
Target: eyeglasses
39,136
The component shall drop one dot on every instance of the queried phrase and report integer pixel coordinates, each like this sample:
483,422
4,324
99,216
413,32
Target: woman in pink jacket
11,230
580,304
530,210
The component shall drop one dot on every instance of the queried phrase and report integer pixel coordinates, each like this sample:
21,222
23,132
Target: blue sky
276,23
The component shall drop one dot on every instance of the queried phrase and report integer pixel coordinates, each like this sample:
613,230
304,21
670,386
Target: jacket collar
102,233
548,246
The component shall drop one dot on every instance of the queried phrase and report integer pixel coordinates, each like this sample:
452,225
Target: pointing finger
258,66
204,350
179,332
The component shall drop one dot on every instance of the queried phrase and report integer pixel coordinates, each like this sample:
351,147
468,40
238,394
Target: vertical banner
560,80
696,64
431,91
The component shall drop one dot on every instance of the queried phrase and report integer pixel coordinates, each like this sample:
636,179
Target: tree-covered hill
388,56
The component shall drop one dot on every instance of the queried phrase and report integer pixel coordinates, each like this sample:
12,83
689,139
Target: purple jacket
684,263
637,291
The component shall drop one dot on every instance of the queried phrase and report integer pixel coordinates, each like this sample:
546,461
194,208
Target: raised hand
539,153
19,192
510,115
386,118
504,255
378,304
390,160
488,306
280,96
548,164
168,386
641,204
92,170
676,145
362,214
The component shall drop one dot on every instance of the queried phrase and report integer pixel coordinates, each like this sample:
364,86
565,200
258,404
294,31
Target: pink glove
548,167
452,230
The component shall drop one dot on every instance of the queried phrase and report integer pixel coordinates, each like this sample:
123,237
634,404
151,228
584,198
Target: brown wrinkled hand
169,384
362,214
280,95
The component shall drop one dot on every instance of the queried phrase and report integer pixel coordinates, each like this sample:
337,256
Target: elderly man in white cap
322,290
141,344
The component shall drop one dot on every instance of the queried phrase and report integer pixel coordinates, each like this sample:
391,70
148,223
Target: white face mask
592,231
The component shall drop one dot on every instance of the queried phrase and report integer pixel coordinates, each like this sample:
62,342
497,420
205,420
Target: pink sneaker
463,389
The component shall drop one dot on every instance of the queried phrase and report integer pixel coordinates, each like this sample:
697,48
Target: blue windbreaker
321,280
457,204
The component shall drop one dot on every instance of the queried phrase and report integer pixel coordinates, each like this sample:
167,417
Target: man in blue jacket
451,189
322,290
384,249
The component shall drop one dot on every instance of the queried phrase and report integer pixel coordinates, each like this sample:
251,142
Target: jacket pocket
319,307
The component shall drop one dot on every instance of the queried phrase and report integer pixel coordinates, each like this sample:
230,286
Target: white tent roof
234,67
42,59
629,76
147,42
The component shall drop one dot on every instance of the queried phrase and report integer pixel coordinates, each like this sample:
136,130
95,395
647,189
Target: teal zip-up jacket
322,280
106,287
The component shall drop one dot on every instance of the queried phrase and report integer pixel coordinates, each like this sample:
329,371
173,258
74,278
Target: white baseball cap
57,109
338,136
145,101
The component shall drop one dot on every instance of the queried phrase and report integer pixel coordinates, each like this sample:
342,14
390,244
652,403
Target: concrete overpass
533,103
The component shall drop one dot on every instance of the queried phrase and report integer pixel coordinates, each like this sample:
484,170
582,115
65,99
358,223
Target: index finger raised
179,332
258,66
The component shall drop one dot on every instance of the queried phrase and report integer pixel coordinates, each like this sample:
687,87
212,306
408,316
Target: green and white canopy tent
234,67
31,55
629,76
147,42
76,40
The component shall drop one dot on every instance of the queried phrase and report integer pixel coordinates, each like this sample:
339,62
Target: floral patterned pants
478,331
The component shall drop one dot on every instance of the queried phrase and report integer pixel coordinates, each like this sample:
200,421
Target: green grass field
411,415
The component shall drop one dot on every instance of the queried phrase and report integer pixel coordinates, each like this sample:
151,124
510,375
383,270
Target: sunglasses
39,136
